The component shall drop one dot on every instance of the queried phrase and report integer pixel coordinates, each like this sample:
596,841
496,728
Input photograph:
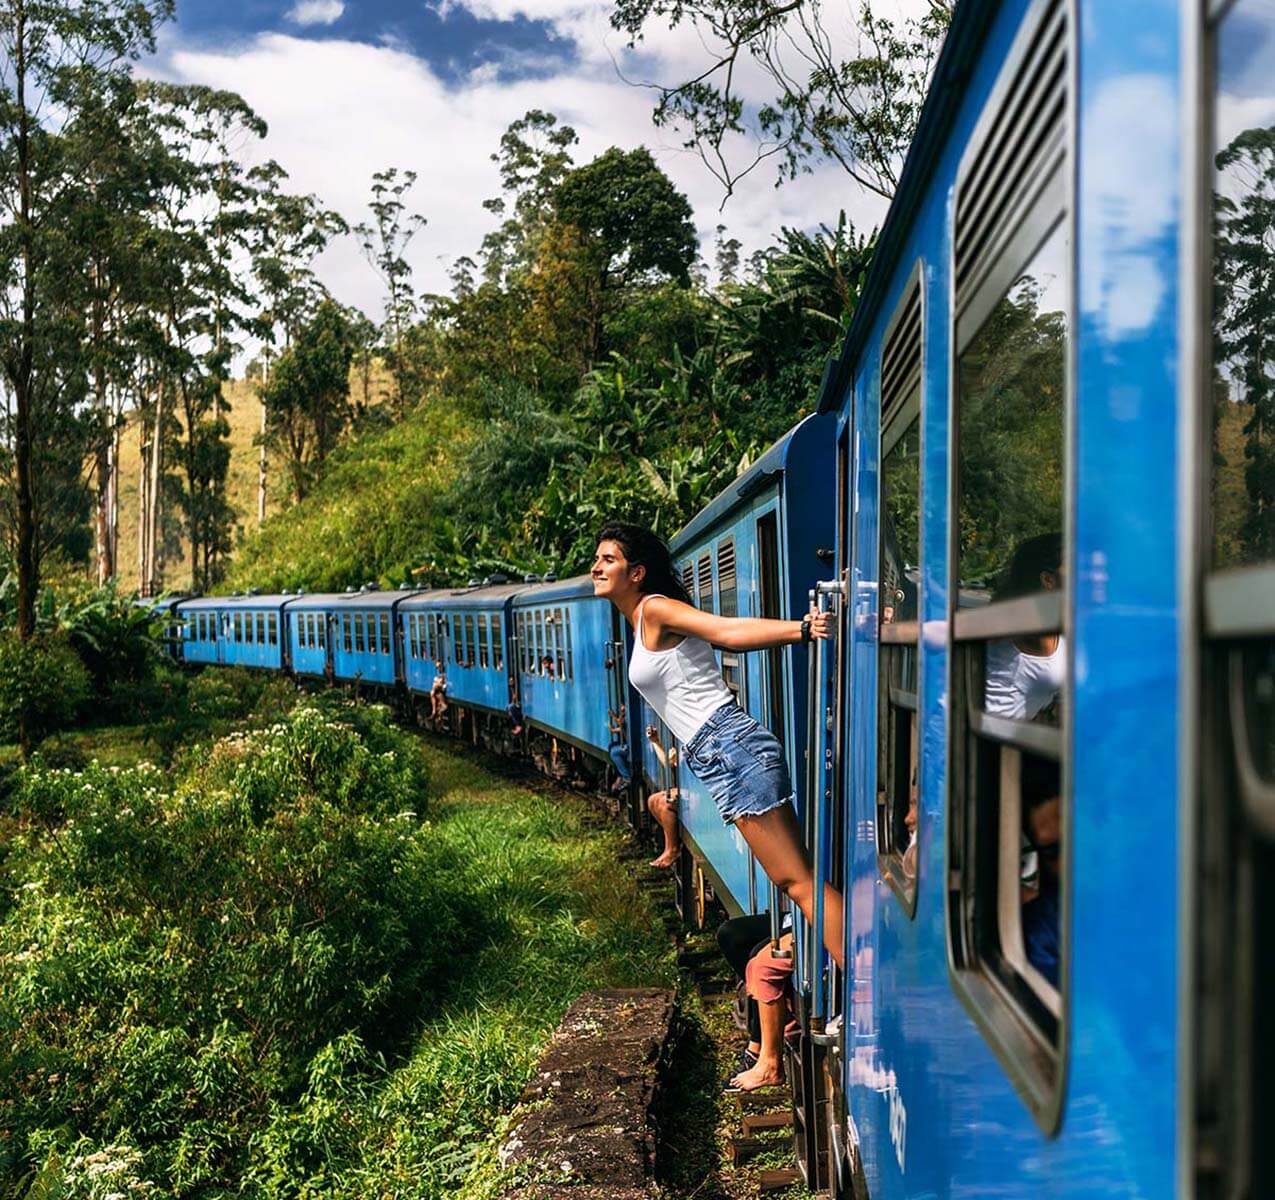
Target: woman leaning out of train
739,761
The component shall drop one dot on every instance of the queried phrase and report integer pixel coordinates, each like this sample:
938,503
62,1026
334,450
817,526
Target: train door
621,744
1234,967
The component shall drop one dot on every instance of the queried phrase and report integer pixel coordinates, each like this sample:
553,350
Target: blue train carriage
468,630
755,551
1007,779
173,630
364,643
235,631
571,677
308,632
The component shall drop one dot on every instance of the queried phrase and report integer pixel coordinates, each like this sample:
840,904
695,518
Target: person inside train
662,805
438,691
546,666
741,763
1042,896
1024,674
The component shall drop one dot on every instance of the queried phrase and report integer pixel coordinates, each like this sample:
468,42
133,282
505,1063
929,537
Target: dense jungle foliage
583,375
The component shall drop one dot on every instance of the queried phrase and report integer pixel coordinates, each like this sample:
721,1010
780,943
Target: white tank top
1020,685
683,684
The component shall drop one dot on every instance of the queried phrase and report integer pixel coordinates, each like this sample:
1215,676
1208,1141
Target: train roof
560,589
772,463
491,596
305,602
970,23
250,601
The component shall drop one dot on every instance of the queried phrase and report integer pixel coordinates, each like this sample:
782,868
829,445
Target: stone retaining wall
585,1130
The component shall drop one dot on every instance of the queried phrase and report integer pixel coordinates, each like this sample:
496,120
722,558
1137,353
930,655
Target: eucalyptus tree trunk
262,461
152,540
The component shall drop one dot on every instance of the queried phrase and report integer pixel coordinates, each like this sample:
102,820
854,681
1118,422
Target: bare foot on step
760,1076
667,859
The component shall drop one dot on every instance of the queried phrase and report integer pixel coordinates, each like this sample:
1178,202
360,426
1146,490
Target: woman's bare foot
764,1074
667,859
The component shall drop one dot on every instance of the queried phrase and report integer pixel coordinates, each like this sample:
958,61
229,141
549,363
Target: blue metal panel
482,684
934,1111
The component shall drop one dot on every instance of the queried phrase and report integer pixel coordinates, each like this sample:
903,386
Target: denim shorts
740,762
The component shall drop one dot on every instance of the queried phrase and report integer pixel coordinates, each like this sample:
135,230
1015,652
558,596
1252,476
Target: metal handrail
820,796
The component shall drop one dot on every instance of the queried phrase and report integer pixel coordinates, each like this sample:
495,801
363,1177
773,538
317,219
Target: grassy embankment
243,413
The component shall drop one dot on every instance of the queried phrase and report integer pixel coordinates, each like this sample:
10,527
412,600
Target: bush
184,960
43,683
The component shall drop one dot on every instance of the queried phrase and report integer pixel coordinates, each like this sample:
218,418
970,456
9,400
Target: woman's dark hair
1032,556
642,548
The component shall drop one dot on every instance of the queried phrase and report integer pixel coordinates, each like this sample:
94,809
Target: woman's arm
668,616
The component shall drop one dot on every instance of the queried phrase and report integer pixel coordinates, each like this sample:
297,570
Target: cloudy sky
349,87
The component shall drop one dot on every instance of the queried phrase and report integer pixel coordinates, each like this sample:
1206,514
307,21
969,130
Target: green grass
567,916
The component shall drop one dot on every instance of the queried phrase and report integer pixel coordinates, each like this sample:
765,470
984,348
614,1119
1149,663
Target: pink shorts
768,979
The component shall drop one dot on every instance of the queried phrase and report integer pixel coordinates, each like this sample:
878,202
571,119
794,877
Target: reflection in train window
1011,381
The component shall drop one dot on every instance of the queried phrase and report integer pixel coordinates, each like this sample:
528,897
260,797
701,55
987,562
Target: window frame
895,639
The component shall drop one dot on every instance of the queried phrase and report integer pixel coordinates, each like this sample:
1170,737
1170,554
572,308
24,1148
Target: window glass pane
901,527
560,659
385,633
321,623
1243,433
482,640
1012,384
347,624
1259,690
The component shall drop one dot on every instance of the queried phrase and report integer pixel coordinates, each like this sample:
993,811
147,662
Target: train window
321,629
688,578
261,629
771,607
347,632
540,641
385,633
1007,849
728,606
571,667
274,629
497,642
484,659
704,572
559,644
250,628
899,576
471,656
1234,968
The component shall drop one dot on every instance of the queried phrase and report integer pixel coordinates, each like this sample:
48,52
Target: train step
752,1123
777,1180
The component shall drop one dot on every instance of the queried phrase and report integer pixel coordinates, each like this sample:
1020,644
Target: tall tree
534,157
59,61
857,108
385,240
1244,324
289,232
307,398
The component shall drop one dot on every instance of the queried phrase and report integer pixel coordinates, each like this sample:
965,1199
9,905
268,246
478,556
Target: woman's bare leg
665,812
776,841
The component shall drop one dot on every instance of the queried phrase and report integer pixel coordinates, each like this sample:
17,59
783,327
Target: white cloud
340,110
316,12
